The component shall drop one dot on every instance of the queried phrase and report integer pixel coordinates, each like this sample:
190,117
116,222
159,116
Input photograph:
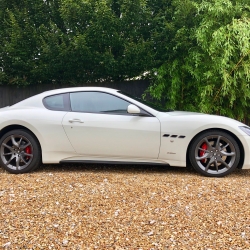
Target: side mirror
132,109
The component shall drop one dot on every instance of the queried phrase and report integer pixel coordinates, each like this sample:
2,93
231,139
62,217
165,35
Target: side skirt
115,162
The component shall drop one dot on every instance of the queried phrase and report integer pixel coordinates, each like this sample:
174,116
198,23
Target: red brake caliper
202,152
28,151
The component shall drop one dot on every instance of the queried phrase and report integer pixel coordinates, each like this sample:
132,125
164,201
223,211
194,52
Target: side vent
182,136
174,136
166,135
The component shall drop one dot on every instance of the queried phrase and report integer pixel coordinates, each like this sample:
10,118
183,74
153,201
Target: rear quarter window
58,102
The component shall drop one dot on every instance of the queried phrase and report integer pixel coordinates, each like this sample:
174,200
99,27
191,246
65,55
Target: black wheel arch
242,151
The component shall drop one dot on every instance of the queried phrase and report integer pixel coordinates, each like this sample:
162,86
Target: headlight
245,129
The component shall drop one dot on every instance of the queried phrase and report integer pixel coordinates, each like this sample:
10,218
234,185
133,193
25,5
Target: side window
97,102
57,102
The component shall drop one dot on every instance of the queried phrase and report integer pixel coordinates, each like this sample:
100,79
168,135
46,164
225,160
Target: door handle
75,120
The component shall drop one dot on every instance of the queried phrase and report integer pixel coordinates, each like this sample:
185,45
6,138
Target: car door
99,126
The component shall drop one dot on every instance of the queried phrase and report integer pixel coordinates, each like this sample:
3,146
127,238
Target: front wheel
214,153
19,152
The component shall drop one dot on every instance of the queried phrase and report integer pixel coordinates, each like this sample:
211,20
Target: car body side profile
103,125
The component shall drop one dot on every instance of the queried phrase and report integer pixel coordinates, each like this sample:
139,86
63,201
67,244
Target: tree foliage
209,58
74,40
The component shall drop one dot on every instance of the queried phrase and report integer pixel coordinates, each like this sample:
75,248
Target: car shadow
121,168
134,169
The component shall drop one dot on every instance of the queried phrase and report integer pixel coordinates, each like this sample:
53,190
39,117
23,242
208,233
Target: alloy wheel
16,152
215,154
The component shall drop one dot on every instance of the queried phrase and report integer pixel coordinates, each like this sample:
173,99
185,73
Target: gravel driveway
123,207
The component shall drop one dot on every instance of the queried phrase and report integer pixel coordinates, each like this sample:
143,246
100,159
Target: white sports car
102,125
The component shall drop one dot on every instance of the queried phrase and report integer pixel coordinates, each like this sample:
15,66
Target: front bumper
245,140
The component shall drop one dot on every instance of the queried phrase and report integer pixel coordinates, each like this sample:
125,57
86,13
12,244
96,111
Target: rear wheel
214,153
19,152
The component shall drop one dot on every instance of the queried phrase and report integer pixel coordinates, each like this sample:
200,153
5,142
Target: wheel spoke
25,146
224,163
227,153
7,146
19,143
224,147
11,158
205,150
202,157
14,141
218,142
208,144
208,165
8,154
18,162
30,155
216,165
23,160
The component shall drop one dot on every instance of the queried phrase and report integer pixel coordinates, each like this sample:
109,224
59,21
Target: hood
182,113
201,116
199,119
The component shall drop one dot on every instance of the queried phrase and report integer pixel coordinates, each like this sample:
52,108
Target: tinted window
97,102
57,102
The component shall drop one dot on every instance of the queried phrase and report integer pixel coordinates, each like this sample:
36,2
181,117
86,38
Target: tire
214,153
19,152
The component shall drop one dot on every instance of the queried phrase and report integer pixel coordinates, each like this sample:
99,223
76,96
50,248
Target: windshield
152,105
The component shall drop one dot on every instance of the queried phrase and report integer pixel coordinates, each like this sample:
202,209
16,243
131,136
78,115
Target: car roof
76,89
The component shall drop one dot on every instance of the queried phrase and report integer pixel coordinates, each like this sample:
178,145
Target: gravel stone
123,207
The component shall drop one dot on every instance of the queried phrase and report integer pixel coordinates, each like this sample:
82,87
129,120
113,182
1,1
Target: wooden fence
11,94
